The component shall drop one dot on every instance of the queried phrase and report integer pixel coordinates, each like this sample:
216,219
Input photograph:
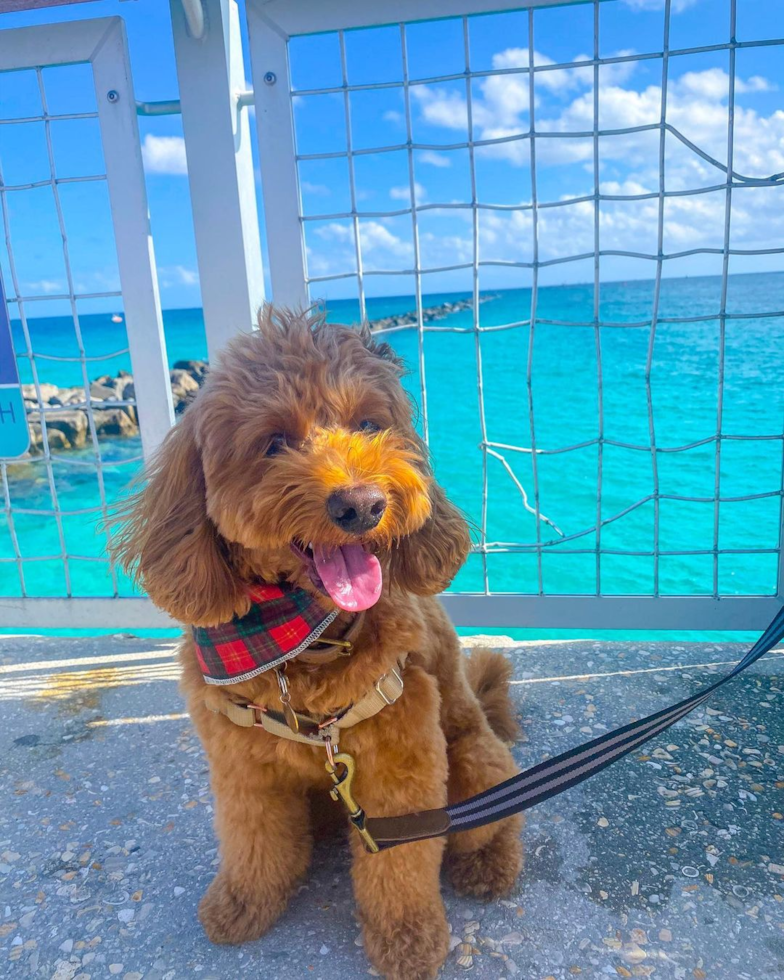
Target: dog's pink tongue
350,574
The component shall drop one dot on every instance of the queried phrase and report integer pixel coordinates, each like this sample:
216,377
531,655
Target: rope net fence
74,389
617,434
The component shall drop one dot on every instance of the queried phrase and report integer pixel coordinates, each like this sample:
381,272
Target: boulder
72,396
184,389
103,392
72,423
55,438
47,391
198,370
125,388
114,422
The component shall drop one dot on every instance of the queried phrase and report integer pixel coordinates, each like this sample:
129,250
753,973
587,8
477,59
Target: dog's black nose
356,509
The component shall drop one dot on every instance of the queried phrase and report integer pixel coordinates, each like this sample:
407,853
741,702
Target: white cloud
164,154
374,236
393,116
404,193
678,6
714,84
320,189
178,275
696,107
447,109
381,248
435,159
46,286
335,232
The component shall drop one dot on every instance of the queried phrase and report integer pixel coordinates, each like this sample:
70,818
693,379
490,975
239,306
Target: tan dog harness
297,727
385,691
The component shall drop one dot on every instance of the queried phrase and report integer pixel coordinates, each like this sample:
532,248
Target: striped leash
556,775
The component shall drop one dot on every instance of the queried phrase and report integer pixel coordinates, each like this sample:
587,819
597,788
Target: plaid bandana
282,622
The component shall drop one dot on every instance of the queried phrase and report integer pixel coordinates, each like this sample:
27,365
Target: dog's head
297,461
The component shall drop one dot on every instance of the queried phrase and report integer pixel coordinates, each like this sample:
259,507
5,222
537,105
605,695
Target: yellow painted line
89,661
58,686
143,720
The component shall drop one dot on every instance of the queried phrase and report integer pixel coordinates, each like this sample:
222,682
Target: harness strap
385,691
556,775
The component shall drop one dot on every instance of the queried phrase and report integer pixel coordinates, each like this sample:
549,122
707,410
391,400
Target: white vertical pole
277,155
220,169
130,215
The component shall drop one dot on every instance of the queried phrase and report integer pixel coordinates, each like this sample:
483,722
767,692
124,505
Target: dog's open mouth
350,575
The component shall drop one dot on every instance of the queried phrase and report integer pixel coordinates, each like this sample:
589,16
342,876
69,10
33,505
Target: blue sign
14,434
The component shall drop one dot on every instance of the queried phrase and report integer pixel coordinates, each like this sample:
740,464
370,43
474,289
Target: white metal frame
211,75
102,44
271,23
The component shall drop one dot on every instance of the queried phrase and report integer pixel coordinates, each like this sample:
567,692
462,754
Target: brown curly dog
240,493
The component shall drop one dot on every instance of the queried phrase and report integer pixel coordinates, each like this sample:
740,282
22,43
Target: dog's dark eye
367,425
277,442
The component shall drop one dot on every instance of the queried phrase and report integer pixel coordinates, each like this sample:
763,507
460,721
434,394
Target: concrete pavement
669,864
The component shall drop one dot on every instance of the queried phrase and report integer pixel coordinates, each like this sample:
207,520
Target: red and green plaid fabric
282,622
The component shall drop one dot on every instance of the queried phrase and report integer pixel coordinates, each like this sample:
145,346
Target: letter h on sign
14,434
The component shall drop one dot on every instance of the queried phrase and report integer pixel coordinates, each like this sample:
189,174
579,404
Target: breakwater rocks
111,399
429,314
111,403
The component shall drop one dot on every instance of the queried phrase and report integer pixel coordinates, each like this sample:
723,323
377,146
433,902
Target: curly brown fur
489,673
218,513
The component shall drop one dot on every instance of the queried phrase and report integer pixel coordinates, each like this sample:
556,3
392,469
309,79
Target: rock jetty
112,398
429,314
111,401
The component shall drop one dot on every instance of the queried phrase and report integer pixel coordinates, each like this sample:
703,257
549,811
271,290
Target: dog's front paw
228,916
412,948
491,870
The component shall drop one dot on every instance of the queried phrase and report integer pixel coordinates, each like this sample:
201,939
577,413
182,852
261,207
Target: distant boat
116,318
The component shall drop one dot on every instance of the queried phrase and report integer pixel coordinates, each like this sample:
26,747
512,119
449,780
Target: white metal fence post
135,256
220,170
101,43
275,133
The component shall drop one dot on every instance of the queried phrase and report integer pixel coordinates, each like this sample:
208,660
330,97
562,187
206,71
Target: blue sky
630,95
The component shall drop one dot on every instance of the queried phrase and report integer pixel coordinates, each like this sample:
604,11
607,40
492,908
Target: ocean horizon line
455,292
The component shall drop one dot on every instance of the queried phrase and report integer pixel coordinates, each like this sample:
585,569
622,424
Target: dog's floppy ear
426,561
169,545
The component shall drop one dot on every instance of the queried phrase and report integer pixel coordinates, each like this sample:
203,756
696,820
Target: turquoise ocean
567,364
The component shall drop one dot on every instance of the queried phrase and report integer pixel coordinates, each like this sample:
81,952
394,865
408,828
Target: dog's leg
265,848
401,766
484,862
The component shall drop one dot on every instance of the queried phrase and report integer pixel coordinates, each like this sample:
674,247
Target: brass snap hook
342,791
285,699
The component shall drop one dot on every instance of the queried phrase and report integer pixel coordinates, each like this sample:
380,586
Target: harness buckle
394,676
342,791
